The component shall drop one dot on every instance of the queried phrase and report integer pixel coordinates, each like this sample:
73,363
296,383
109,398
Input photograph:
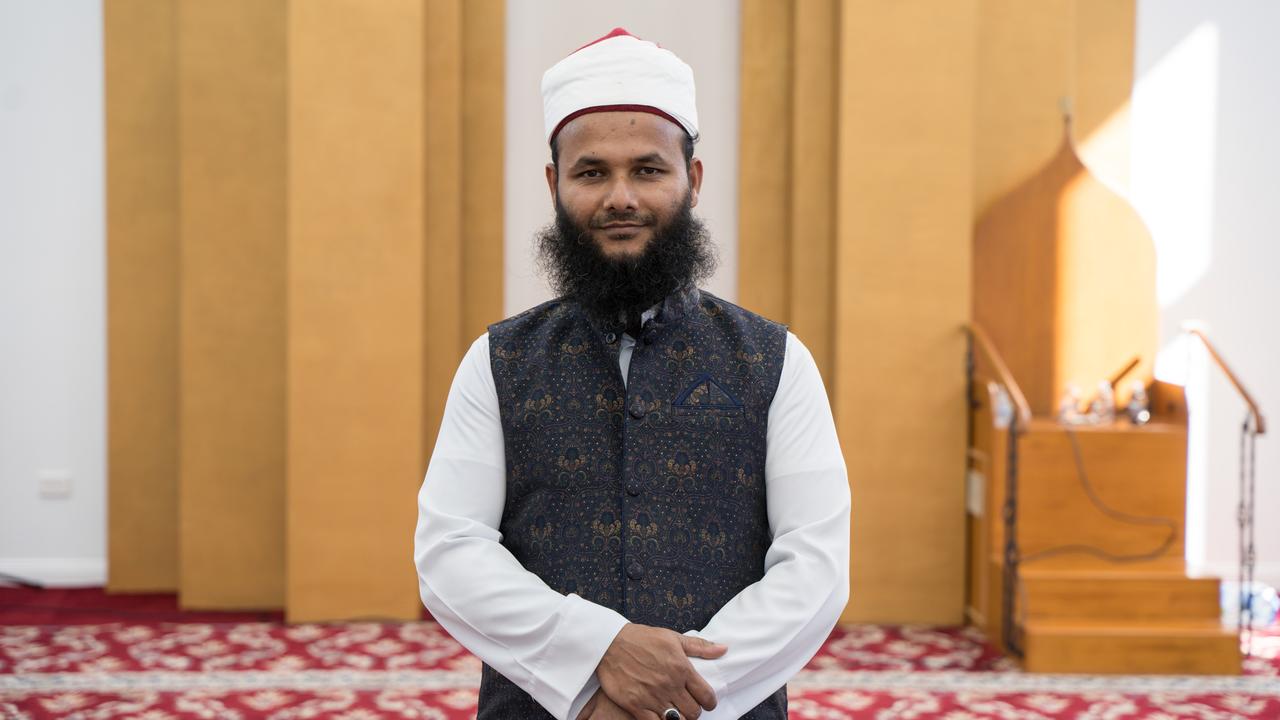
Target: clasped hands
647,670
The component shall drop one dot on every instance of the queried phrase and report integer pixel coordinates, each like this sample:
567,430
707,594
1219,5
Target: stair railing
1254,425
1019,421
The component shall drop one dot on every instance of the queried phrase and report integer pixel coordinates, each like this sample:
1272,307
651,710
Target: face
623,176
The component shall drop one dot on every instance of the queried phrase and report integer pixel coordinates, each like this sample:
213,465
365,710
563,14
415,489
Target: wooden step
1183,648
1121,594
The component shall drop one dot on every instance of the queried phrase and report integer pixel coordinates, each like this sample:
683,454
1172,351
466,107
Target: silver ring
672,714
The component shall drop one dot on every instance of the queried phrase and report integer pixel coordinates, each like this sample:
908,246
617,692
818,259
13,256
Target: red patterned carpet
83,654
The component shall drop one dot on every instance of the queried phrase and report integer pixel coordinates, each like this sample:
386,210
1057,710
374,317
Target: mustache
612,217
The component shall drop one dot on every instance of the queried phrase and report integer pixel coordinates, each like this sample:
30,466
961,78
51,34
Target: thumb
699,648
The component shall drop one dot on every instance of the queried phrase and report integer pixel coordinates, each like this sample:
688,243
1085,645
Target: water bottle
1103,408
1139,407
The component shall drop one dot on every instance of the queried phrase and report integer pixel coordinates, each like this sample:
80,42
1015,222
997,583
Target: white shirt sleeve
774,626
548,644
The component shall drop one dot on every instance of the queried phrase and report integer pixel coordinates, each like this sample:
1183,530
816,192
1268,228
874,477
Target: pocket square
705,392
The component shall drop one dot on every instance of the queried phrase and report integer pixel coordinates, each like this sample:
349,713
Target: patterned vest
647,498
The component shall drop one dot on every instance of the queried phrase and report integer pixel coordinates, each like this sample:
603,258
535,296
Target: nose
621,195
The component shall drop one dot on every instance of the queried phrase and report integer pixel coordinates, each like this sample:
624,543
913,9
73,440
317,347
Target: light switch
55,484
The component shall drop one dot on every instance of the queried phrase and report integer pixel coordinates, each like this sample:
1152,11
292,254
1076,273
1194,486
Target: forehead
618,135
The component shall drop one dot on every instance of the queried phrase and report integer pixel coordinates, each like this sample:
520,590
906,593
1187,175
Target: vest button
633,489
635,571
611,338
637,409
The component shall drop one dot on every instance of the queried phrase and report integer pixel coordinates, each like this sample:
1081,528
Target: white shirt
549,644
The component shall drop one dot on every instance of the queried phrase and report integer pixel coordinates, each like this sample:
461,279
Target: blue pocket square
705,392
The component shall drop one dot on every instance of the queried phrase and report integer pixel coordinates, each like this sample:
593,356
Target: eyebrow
652,158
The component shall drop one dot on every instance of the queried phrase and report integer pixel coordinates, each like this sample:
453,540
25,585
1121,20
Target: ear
695,180
551,182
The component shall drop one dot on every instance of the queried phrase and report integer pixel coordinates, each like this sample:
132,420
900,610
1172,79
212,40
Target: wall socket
55,484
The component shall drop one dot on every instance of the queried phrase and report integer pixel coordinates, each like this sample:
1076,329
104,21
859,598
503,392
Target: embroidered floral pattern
640,481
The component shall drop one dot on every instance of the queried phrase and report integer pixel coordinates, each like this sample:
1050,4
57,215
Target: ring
672,714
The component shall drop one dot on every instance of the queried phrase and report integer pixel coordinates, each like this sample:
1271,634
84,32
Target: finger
688,707
652,708
701,692
647,711
609,710
699,648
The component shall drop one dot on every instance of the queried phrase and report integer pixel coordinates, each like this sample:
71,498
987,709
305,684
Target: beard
677,256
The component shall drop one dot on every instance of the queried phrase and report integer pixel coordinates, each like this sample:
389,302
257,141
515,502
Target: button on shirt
549,644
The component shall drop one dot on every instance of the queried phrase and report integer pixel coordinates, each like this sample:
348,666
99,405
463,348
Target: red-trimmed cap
619,71
611,108
616,32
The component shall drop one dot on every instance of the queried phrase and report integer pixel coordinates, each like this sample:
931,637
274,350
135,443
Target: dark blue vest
649,497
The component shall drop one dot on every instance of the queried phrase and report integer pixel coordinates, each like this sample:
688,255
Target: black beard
678,255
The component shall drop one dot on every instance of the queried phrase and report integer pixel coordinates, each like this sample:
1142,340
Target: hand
647,670
600,707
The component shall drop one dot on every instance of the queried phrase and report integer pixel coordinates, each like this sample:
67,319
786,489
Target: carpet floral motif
366,671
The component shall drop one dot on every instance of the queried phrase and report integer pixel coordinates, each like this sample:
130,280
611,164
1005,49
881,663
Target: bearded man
637,505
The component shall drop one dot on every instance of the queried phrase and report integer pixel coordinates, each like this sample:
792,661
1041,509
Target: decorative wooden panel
233,199
1064,282
937,113
306,232
904,193
357,175
142,295
483,100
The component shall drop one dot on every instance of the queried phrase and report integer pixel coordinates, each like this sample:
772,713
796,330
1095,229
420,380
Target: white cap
619,72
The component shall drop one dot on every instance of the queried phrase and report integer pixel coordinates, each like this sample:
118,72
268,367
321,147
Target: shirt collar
672,308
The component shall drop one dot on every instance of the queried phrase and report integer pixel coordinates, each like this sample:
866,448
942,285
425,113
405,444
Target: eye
591,174
649,171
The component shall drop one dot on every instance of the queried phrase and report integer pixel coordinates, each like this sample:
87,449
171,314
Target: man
636,506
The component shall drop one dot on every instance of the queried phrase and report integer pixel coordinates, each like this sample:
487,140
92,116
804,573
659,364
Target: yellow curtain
287,192
872,134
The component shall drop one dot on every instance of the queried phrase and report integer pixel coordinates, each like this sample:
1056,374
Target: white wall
52,289
539,34
1206,177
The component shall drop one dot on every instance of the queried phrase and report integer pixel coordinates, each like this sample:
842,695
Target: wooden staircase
1101,585
1153,592
1143,618
1176,648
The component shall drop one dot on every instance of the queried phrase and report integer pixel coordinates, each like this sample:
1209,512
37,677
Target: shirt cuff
569,664
707,669
575,708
